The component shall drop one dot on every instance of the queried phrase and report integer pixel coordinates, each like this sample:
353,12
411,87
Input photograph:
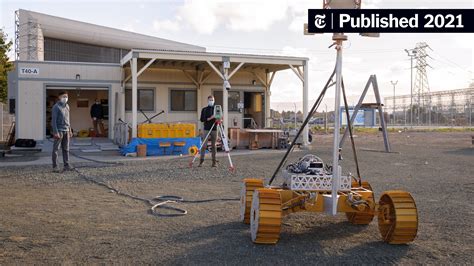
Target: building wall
31,93
34,27
165,80
30,37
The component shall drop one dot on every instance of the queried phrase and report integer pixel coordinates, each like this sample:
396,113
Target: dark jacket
207,112
96,111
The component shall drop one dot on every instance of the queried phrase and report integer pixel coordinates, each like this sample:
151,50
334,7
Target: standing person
97,114
61,132
207,117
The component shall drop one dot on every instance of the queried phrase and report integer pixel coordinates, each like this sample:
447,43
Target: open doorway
80,104
254,110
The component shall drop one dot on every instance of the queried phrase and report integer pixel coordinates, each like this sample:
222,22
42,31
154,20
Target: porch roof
141,59
192,60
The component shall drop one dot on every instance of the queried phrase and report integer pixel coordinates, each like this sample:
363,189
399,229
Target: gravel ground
61,218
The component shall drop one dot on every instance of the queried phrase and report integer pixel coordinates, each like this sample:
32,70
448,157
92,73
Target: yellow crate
176,130
179,130
163,133
145,130
153,130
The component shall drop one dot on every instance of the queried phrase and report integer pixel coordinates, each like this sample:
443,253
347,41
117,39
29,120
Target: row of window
180,100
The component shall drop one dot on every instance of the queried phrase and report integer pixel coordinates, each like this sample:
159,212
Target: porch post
225,102
268,93
199,96
267,107
134,97
122,97
305,101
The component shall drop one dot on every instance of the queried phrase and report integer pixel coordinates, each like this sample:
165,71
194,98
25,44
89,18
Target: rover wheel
398,217
265,216
246,193
361,217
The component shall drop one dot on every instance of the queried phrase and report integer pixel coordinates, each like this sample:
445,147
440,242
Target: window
218,97
183,100
233,99
146,99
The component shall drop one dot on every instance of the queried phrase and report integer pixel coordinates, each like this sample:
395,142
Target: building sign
29,71
359,119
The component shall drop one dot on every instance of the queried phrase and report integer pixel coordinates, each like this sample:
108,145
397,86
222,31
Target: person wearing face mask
61,132
207,117
97,114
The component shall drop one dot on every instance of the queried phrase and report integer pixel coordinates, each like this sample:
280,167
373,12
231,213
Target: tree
5,64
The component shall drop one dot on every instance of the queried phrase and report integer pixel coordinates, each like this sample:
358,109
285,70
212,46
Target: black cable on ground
159,202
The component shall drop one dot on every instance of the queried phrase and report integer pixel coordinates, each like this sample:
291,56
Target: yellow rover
265,207
310,185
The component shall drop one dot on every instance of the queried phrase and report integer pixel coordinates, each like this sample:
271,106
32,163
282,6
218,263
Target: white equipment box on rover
318,182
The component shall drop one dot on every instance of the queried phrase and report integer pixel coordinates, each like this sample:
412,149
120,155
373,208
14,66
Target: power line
452,63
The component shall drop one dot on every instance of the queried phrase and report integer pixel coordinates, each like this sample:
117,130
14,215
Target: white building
130,72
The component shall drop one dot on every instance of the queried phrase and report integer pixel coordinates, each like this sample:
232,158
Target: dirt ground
50,218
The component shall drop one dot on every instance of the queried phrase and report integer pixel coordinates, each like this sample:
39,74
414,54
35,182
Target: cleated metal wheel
398,217
362,218
265,217
246,193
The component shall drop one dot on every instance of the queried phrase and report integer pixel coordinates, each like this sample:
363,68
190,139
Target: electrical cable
156,203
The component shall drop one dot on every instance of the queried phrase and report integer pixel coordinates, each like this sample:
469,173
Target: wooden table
263,138
254,138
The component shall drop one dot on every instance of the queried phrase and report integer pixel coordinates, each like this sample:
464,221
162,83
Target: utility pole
394,83
411,53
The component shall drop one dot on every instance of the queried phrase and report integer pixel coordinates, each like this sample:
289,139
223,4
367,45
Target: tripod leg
202,145
225,143
349,126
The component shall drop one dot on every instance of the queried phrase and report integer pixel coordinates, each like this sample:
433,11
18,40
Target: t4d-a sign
29,71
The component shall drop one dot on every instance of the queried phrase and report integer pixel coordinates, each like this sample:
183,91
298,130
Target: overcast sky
275,27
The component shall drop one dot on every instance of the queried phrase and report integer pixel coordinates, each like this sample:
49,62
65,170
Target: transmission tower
422,86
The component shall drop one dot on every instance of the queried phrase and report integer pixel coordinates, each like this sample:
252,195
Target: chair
164,145
178,147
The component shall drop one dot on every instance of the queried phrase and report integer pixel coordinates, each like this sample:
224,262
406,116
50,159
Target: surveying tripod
221,134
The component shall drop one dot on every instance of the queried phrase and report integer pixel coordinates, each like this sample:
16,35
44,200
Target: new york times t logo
319,21
390,20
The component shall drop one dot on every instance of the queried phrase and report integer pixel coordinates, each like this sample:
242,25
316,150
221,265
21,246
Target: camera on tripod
218,112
